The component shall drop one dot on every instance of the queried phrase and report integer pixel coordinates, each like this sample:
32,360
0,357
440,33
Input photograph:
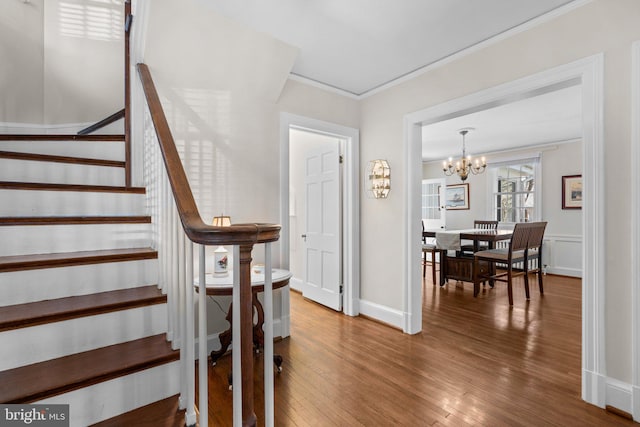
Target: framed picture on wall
572,192
456,197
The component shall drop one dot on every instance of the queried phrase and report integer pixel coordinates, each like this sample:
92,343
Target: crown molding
532,23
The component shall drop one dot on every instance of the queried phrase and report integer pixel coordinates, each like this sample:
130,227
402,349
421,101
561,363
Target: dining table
460,267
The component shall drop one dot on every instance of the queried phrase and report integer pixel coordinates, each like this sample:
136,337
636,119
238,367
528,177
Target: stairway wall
66,61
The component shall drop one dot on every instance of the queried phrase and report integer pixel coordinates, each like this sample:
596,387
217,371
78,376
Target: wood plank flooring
477,362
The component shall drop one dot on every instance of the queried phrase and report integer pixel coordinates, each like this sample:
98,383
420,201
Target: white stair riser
110,398
69,203
60,173
25,346
107,150
21,287
41,239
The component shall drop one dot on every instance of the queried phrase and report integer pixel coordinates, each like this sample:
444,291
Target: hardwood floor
477,362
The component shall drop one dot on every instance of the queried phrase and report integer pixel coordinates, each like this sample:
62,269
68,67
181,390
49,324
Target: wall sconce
221,255
379,178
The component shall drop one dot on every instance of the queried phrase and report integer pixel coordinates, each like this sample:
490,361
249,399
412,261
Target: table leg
258,332
225,339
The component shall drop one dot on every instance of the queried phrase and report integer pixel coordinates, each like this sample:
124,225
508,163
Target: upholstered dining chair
515,253
466,248
428,248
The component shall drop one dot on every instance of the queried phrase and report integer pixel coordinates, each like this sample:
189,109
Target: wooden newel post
246,336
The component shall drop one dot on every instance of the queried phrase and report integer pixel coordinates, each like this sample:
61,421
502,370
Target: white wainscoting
562,254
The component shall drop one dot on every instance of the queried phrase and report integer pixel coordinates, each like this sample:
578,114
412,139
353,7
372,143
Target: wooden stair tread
69,187
67,137
52,377
163,413
64,259
70,220
60,159
55,310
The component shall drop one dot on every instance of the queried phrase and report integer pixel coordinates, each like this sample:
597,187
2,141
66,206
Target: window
515,195
430,199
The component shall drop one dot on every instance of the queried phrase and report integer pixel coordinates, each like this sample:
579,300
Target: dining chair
534,253
428,248
515,253
467,249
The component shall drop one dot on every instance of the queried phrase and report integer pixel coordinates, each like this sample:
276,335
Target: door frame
635,228
589,73
350,205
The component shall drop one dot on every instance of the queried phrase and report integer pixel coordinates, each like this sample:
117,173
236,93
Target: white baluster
188,346
202,343
182,313
268,338
235,340
169,248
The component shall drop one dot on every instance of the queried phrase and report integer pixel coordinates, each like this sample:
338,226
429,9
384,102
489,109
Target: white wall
598,26
62,61
84,60
22,53
223,88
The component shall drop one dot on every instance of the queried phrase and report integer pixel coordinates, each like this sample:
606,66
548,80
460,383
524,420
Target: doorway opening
589,75
349,239
315,224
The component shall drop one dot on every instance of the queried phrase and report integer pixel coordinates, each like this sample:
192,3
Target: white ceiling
359,45
552,117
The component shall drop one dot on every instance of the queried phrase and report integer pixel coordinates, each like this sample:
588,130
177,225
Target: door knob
304,236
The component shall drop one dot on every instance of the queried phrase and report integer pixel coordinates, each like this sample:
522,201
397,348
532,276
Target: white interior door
322,259
433,210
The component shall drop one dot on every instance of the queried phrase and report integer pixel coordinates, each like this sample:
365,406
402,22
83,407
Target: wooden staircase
82,321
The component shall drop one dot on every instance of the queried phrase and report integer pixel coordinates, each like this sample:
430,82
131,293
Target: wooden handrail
195,228
102,123
242,235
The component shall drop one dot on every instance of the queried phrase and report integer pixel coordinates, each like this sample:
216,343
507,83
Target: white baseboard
571,272
283,327
382,313
635,398
620,395
295,284
603,391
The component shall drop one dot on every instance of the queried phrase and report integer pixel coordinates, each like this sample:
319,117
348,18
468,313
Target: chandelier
464,166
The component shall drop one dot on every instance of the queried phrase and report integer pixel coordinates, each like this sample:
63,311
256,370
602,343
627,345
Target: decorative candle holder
221,262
